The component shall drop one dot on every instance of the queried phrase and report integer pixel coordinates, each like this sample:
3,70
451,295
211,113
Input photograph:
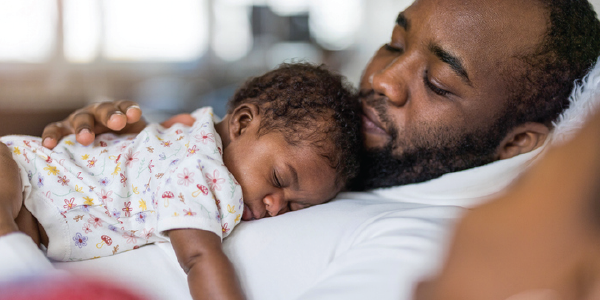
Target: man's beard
424,160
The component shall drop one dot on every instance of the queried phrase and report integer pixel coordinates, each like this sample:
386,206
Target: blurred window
27,30
82,29
87,31
335,23
232,33
160,30
111,30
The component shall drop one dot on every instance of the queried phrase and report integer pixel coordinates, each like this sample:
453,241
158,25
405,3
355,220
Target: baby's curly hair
309,104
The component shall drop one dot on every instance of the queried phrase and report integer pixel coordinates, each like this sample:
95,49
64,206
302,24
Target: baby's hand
115,116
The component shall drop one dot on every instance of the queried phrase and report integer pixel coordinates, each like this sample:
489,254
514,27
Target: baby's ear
243,117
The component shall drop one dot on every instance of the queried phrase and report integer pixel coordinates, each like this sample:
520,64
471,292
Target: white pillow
584,101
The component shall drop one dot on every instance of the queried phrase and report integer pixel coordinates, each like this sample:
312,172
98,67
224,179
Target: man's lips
371,122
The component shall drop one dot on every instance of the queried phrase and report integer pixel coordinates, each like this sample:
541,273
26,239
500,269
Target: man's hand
116,116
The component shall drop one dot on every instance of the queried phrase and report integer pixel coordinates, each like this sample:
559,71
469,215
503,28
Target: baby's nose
274,204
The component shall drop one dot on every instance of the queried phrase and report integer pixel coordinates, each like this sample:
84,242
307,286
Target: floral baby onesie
123,192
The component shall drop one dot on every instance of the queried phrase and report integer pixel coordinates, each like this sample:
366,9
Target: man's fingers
83,125
131,110
109,115
95,119
53,133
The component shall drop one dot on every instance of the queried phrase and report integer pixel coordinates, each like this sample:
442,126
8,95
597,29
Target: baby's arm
210,273
11,195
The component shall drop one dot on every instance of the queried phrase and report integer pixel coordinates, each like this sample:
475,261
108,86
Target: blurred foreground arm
116,116
540,241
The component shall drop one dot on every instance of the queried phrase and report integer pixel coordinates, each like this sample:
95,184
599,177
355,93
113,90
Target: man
464,88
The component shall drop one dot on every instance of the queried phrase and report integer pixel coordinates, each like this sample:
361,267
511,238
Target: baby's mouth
247,215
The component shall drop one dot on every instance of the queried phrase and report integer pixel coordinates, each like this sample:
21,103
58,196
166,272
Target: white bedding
282,259
361,246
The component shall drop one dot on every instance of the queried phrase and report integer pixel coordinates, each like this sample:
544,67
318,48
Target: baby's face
277,177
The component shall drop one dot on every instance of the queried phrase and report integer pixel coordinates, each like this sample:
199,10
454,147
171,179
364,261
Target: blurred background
170,56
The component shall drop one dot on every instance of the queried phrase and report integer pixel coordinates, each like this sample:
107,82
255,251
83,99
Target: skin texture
210,273
119,116
415,102
480,34
276,177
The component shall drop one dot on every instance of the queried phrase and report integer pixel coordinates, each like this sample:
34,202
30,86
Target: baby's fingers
53,133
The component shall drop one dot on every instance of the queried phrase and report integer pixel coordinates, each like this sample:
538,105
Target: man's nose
391,82
275,204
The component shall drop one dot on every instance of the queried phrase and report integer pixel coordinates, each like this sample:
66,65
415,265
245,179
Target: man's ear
242,118
522,139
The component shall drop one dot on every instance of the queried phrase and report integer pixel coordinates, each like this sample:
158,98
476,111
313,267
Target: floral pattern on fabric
126,191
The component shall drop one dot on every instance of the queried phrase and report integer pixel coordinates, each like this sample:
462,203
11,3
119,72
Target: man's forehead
479,17
479,32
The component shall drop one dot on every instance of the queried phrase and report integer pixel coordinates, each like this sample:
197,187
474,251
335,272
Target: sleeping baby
288,142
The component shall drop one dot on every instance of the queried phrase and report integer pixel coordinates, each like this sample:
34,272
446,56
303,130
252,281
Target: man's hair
568,50
309,104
